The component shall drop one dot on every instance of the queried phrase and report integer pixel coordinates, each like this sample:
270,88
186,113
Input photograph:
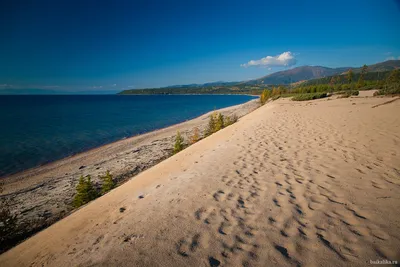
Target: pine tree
211,125
108,183
219,122
85,191
178,143
361,82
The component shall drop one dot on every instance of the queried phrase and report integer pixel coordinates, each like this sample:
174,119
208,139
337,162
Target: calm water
40,129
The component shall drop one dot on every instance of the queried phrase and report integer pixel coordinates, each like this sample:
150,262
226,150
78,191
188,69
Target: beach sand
313,183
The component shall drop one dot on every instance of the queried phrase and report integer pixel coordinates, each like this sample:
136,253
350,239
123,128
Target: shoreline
87,149
43,194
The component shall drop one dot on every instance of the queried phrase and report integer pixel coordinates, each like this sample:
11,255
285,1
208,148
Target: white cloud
114,85
285,59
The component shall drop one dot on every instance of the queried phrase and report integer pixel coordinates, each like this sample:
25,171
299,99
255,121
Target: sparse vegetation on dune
346,94
388,83
85,191
311,96
108,183
179,145
392,86
195,136
390,91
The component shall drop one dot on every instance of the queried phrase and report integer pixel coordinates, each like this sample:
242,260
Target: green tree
393,80
219,122
361,81
178,143
265,95
350,76
85,191
108,183
211,125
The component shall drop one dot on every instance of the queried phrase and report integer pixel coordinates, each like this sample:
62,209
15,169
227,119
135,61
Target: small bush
391,91
178,143
211,125
219,122
234,118
108,183
85,191
196,136
346,94
229,120
310,96
265,95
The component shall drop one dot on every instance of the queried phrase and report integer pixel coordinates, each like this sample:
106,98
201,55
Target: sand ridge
291,184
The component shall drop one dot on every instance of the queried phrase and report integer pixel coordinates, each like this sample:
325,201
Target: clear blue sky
112,45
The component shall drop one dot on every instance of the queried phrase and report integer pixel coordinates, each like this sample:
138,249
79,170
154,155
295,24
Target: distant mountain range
304,73
298,74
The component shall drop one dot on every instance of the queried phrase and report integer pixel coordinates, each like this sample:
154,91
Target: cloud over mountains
286,59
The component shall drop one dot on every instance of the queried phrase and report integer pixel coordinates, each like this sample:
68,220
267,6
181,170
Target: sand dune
291,184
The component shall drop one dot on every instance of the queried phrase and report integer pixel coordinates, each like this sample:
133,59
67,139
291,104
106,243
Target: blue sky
112,45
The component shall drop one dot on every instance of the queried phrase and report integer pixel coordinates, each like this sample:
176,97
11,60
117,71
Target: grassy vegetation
346,94
179,143
346,85
388,91
310,96
392,86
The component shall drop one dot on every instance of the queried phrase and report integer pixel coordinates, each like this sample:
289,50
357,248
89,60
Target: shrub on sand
108,183
310,96
85,191
196,136
219,122
178,143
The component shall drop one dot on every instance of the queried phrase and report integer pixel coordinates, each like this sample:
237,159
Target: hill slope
314,72
297,74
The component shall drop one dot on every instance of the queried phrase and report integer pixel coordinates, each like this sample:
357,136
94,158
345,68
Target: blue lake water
39,129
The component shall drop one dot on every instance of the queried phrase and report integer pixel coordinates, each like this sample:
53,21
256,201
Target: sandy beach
313,183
